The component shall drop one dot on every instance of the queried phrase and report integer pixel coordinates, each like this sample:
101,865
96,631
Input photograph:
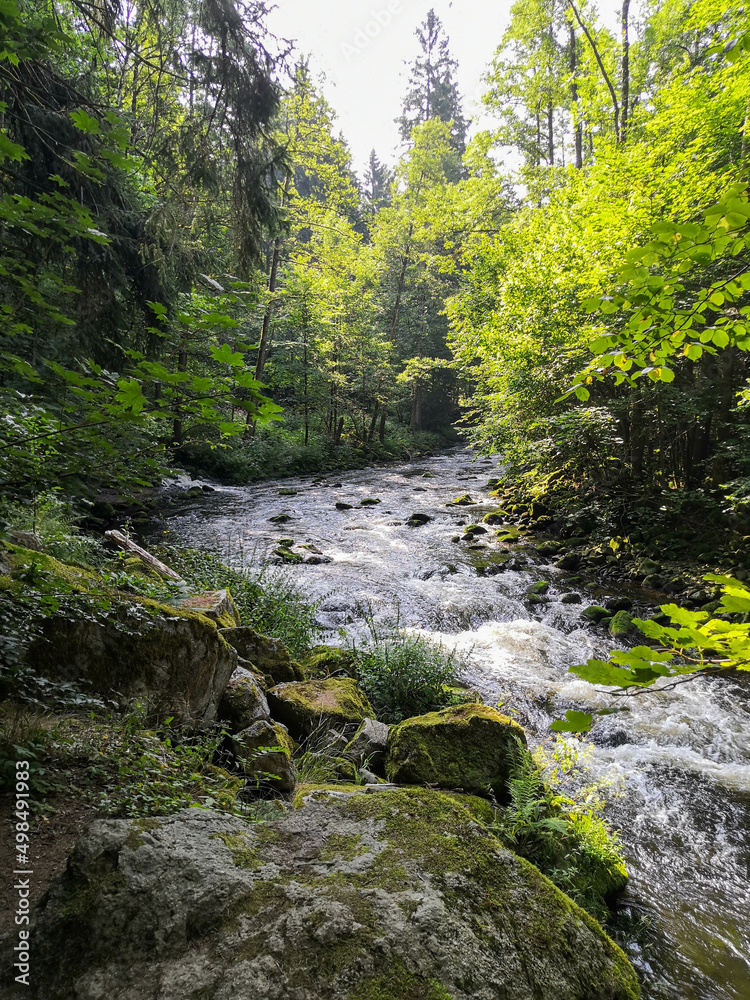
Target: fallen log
118,539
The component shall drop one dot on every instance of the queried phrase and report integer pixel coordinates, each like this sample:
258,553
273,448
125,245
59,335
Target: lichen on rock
390,895
305,707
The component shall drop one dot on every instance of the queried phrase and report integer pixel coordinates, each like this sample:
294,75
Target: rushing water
684,754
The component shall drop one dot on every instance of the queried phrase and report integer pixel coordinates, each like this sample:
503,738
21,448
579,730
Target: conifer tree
377,188
433,91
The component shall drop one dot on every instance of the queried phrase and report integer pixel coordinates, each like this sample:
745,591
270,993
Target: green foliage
404,676
554,819
695,643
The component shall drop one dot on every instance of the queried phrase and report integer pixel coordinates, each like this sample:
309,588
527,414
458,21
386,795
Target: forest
208,315
193,273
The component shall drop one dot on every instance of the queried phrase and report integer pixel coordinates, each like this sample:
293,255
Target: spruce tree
377,187
433,91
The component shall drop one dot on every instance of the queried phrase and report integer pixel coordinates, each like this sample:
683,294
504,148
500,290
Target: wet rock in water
594,613
469,746
474,529
548,548
652,582
344,506
264,751
570,599
270,657
243,701
280,518
621,625
369,502
456,538
495,517
368,747
570,560
616,604
317,560
287,556
304,707
356,894
216,605
288,493
462,501
417,520
535,599
539,588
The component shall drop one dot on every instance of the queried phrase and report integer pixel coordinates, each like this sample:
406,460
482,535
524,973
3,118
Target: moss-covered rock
264,751
336,702
268,656
370,502
216,605
368,746
466,746
462,501
594,613
128,649
539,588
380,895
621,625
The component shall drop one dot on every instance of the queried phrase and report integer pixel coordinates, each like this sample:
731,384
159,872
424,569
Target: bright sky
364,49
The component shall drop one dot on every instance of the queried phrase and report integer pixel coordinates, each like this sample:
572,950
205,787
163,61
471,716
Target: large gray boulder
264,751
170,661
349,896
244,701
269,656
368,746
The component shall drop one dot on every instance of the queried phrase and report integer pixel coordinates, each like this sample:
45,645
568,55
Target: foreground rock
333,703
264,751
243,702
368,746
470,746
389,895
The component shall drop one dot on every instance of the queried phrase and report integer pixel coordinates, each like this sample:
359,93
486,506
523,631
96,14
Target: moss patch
399,984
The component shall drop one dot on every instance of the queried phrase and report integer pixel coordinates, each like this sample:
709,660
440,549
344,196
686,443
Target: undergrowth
554,819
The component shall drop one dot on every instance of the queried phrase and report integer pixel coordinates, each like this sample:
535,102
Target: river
684,755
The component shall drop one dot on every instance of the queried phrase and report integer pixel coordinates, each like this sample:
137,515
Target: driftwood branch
126,545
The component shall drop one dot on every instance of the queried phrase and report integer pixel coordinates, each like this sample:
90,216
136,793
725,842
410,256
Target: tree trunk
339,432
381,434
625,83
177,429
574,97
415,424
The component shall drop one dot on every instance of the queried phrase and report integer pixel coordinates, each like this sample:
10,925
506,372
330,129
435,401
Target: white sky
366,64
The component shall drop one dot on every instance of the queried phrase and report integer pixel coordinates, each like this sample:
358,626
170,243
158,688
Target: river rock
264,750
243,702
468,747
334,703
269,656
396,895
369,745
495,517
621,625
216,605
369,502
344,506
594,613
417,520
571,598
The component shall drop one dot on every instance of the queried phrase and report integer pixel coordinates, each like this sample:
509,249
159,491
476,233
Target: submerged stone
387,895
469,746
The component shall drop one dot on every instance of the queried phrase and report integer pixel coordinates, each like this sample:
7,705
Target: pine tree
433,92
377,187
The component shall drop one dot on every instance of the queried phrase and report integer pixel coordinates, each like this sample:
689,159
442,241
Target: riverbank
106,734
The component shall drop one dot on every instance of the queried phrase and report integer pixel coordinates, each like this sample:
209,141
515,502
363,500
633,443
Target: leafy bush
404,676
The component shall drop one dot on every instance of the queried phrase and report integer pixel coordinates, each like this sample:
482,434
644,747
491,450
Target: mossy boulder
268,656
467,746
368,746
621,625
337,702
595,613
354,895
127,649
495,517
370,502
462,501
539,588
264,751
216,605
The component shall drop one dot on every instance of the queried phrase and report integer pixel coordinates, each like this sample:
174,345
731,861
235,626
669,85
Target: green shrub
267,599
404,676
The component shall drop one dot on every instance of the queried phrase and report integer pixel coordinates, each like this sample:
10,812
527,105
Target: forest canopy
192,271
